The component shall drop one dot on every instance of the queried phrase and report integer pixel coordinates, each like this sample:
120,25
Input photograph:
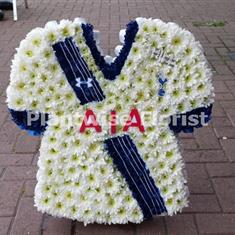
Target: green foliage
213,23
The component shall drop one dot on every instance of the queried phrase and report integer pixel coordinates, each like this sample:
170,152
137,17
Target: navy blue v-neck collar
111,71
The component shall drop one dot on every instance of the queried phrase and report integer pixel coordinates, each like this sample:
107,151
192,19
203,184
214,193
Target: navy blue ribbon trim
128,161
81,79
112,70
189,127
35,128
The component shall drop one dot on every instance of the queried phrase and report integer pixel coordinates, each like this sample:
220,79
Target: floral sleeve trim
112,70
36,127
177,123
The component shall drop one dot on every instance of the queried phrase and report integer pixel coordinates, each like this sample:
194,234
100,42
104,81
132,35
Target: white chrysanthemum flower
79,21
51,32
66,28
36,37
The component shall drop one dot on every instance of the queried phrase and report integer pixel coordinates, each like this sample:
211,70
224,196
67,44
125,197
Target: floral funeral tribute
109,151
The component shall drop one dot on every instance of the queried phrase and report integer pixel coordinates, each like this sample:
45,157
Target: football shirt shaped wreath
109,152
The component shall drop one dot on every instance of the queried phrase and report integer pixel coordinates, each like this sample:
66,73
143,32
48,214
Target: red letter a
134,121
90,122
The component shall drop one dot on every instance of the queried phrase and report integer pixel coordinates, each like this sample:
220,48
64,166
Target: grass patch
212,23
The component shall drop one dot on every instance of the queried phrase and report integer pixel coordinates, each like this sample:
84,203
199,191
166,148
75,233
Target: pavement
209,153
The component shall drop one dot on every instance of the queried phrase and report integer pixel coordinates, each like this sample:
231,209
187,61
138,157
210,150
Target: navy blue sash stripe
80,61
128,161
79,76
130,146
